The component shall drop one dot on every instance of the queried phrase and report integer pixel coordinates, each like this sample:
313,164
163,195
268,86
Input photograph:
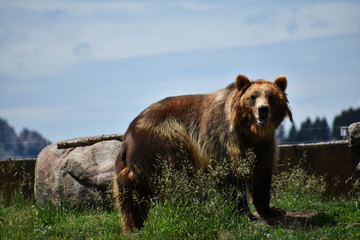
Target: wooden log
87,141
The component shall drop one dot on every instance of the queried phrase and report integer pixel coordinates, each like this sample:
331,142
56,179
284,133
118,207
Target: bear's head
263,105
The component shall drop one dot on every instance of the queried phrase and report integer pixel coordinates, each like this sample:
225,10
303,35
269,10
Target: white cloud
81,8
45,49
85,8
194,6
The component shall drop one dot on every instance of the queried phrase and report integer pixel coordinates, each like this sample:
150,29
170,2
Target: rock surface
79,176
354,140
354,137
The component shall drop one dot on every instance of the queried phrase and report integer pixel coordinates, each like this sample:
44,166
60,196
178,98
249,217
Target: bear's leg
133,213
261,193
261,180
133,198
261,184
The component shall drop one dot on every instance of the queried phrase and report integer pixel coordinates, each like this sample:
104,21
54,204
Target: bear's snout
263,111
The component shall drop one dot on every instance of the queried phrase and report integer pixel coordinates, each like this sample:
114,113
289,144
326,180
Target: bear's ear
281,82
241,82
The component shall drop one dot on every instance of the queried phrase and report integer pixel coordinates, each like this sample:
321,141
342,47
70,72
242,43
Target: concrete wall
17,175
333,159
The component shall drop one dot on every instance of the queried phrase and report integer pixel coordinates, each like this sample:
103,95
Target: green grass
194,211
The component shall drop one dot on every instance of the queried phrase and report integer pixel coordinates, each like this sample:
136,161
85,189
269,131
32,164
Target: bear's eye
253,97
271,98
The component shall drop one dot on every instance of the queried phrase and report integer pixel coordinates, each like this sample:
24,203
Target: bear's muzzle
263,112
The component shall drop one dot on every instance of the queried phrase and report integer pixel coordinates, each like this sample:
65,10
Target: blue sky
82,68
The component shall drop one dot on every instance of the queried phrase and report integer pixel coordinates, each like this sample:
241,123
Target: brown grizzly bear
219,125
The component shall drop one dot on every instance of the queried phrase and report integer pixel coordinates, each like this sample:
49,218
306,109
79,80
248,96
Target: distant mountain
27,144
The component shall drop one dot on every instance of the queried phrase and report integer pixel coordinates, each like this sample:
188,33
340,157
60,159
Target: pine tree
293,134
346,118
325,133
280,134
305,133
321,130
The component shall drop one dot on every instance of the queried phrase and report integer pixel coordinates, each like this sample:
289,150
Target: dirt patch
294,219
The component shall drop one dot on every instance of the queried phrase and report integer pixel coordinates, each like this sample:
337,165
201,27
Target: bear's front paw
274,212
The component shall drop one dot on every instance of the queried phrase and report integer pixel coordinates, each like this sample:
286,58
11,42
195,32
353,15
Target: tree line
319,129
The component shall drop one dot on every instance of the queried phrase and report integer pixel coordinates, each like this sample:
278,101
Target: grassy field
193,209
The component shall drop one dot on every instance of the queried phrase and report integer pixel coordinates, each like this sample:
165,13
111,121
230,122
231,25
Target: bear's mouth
263,113
262,121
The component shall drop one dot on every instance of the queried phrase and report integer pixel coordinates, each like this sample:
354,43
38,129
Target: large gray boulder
78,176
354,137
354,140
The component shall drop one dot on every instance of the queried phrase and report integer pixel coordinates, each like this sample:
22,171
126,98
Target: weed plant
296,190
192,206
15,178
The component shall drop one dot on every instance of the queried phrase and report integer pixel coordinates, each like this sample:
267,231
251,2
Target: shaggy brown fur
219,125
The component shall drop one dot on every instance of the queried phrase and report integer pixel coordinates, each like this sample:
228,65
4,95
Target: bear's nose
263,111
